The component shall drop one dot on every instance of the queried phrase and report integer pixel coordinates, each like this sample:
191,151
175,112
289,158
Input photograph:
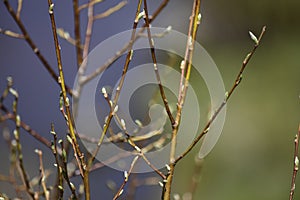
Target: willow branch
153,55
27,128
86,5
32,44
77,32
120,85
78,155
58,190
119,53
296,164
20,3
194,22
23,173
87,41
227,96
65,173
42,174
110,11
126,178
11,34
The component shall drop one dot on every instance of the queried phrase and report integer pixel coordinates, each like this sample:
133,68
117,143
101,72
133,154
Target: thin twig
59,190
110,11
42,173
11,34
88,34
27,128
86,5
195,177
227,96
85,51
296,164
153,55
131,142
76,12
20,3
126,178
66,36
18,143
64,169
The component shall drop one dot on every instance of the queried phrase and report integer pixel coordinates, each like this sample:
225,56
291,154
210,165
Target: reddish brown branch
77,32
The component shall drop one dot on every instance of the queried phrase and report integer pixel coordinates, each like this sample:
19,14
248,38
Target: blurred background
254,156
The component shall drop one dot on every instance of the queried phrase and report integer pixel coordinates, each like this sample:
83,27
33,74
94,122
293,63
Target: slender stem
88,34
296,164
228,95
65,171
20,3
77,32
126,178
58,190
111,10
11,34
27,128
43,176
195,177
17,119
153,55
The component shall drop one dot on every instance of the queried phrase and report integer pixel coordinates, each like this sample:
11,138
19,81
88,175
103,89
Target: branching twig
120,85
32,44
227,96
119,53
43,177
131,142
77,153
296,164
27,128
64,169
126,178
59,190
194,22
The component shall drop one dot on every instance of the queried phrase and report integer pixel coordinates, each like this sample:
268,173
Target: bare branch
11,34
76,12
296,164
151,43
32,44
110,10
227,96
